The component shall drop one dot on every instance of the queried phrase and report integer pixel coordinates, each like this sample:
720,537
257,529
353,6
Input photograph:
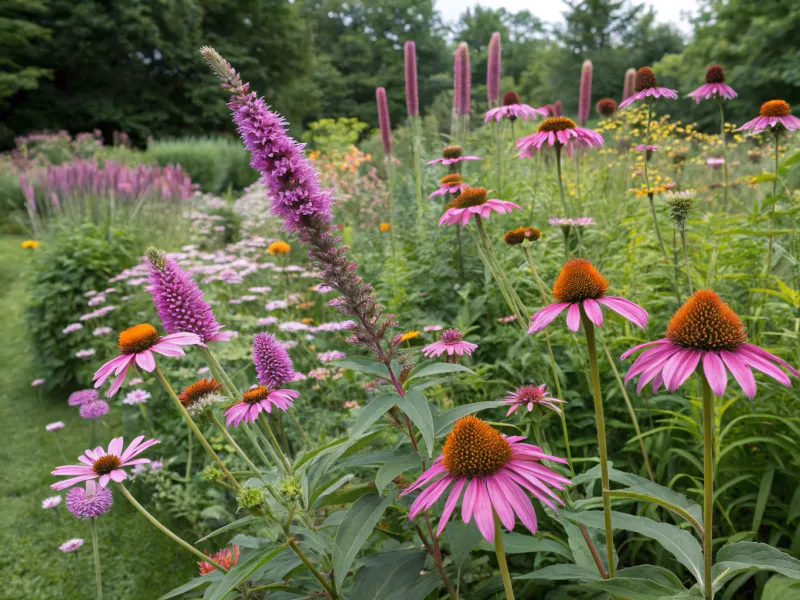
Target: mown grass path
138,562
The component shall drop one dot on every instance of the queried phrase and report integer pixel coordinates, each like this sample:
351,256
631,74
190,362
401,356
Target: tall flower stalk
708,484
386,143
98,580
412,107
463,89
493,71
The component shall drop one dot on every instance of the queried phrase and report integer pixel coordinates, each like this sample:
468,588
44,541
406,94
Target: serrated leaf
356,527
443,421
438,369
243,571
393,467
362,364
744,556
681,544
415,405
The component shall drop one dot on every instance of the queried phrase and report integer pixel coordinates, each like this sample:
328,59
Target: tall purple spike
493,70
383,120
585,92
412,94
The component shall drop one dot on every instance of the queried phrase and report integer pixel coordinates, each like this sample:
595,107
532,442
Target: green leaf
577,545
193,585
653,573
438,369
415,405
518,543
789,161
781,587
461,539
393,467
243,571
563,573
764,177
354,530
763,495
419,589
681,544
744,556
443,421
372,412
313,453
384,573
236,524
362,364
635,589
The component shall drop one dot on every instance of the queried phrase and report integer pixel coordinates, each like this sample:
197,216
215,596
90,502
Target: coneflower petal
740,371
715,373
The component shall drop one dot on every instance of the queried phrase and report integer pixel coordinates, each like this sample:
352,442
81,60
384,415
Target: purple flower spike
179,302
412,94
628,84
463,81
585,92
273,365
493,70
383,120
91,502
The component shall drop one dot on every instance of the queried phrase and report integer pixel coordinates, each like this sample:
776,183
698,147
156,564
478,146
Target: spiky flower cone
493,70
585,93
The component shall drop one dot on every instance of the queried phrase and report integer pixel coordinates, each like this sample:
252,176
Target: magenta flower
494,472
714,86
646,148
137,345
628,84
383,120
512,109
450,184
450,342
71,545
102,465
82,397
580,286
646,87
94,409
561,131
772,113
410,71
715,162
530,396
473,201
273,365
254,401
179,302
462,80
51,502
452,155
705,328
89,503
55,426
585,92
493,69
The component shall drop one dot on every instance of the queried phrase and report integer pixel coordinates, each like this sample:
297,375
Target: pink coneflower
37,382
51,502
450,342
473,201
429,328
508,319
351,404
452,155
585,92
330,355
512,109
578,287
72,327
136,397
450,184
85,353
493,69
94,409
646,148
715,162
383,120
629,84
179,302
772,113
646,87
254,401
705,328
570,222
137,345
714,86
410,71
89,503
530,396
559,131
102,465
102,331
71,545
82,397
226,558
494,471
55,426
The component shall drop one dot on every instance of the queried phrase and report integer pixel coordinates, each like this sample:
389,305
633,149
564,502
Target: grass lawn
138,561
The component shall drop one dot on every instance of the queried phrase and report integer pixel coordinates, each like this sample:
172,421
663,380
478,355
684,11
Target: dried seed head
715,74
520,234
510,98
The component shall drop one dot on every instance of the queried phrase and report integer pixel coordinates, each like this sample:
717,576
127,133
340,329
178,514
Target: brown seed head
257,393
197,391
645,79
510,98
138,338
579,280
474,448
105,464
774,108
452,179
452,152
520,234
705,322
469,197
606,107
715,74
556,124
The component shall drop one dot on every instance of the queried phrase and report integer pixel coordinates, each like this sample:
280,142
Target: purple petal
574,317
450,505
544,316
633,312
630,351
500,503
740,371
593,311
715,373
484,518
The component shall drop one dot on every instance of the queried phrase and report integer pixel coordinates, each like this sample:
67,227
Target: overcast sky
551,10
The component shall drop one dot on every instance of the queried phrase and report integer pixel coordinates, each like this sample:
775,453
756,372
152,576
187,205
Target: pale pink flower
450,342
530,396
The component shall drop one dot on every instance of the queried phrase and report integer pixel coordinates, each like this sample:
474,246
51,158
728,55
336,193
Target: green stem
190,422
682,229
390,171
647,180
560,180
300,428
501,557
578,181
189,456
772,210
416,149
724,151
226,434
631,412
310,566
588,329
708,483
96,550
167,532
284,463
543,294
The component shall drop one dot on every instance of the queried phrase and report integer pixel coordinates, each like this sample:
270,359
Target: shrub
70,263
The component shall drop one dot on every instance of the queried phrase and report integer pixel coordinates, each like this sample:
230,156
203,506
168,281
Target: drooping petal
633,312
544,316
500,503
715,373
740,371
450,505
592,309
518,500
146,360
484,518
766,355
574,317
763,365
630,351
468,503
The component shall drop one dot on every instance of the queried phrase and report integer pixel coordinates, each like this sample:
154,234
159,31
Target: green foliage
69,263
331,136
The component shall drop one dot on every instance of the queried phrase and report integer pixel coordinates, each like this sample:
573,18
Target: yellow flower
307,320
30,244
385,227
278,248
409,335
